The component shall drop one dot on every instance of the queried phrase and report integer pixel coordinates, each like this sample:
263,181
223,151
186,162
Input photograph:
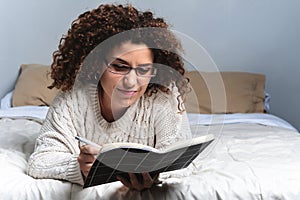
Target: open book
119,159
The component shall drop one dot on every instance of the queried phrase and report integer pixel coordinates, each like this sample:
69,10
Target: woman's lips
127,92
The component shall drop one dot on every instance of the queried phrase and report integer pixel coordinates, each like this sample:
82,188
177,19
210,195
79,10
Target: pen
81,139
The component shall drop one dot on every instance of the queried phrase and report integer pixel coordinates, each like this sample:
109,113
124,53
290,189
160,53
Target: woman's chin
125,103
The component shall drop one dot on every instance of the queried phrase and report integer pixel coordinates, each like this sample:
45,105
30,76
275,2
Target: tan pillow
31,87
225,92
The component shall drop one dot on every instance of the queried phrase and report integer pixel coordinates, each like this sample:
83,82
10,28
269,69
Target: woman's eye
144,70
120,67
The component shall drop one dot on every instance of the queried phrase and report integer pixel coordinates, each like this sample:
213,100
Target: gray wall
256,36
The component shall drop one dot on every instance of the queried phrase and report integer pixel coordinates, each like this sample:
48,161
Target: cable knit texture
153,121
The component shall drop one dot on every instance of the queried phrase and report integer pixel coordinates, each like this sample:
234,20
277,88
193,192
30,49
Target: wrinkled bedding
246,161
17,138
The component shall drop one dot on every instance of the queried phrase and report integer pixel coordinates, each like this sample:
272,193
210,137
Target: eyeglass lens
123,69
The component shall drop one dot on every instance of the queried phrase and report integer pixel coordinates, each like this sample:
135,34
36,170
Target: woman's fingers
125,182
89,149
148,181
134,183
86,158
85,169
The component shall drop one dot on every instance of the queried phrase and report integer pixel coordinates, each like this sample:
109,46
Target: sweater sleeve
171,125
56,150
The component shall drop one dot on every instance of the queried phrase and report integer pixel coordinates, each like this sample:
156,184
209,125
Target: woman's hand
135,184
87,156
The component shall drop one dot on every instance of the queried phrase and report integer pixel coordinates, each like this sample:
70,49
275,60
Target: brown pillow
225,92
31,87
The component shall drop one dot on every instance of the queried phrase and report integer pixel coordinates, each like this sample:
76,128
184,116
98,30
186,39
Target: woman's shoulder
80,93
163,98
170,94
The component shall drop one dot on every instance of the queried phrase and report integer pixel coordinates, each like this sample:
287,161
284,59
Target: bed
255,154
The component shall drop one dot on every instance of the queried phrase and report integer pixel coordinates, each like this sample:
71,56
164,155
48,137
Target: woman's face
121,91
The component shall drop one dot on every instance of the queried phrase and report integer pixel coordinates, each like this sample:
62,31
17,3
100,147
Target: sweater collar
121,122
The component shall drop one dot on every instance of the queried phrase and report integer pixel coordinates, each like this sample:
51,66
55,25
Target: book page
189,142
125,145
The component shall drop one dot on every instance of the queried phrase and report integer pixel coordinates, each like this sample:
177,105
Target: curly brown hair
96,26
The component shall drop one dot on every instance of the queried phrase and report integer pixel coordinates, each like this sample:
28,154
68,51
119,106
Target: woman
121,80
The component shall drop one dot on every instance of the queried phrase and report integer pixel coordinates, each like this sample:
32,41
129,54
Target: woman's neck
109,112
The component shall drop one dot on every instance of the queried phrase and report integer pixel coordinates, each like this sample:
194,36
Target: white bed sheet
248,118
40,112
255,156
247,161
17,139
34,112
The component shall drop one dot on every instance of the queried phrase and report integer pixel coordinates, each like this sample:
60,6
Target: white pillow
267,101
6,101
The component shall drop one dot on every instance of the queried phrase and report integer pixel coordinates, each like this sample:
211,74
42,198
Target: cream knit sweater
152,121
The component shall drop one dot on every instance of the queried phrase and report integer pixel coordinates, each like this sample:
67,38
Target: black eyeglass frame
129,68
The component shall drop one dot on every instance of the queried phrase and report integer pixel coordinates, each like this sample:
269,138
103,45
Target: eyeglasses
146,70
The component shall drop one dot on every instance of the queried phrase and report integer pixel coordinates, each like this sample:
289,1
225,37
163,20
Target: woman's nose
130,79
